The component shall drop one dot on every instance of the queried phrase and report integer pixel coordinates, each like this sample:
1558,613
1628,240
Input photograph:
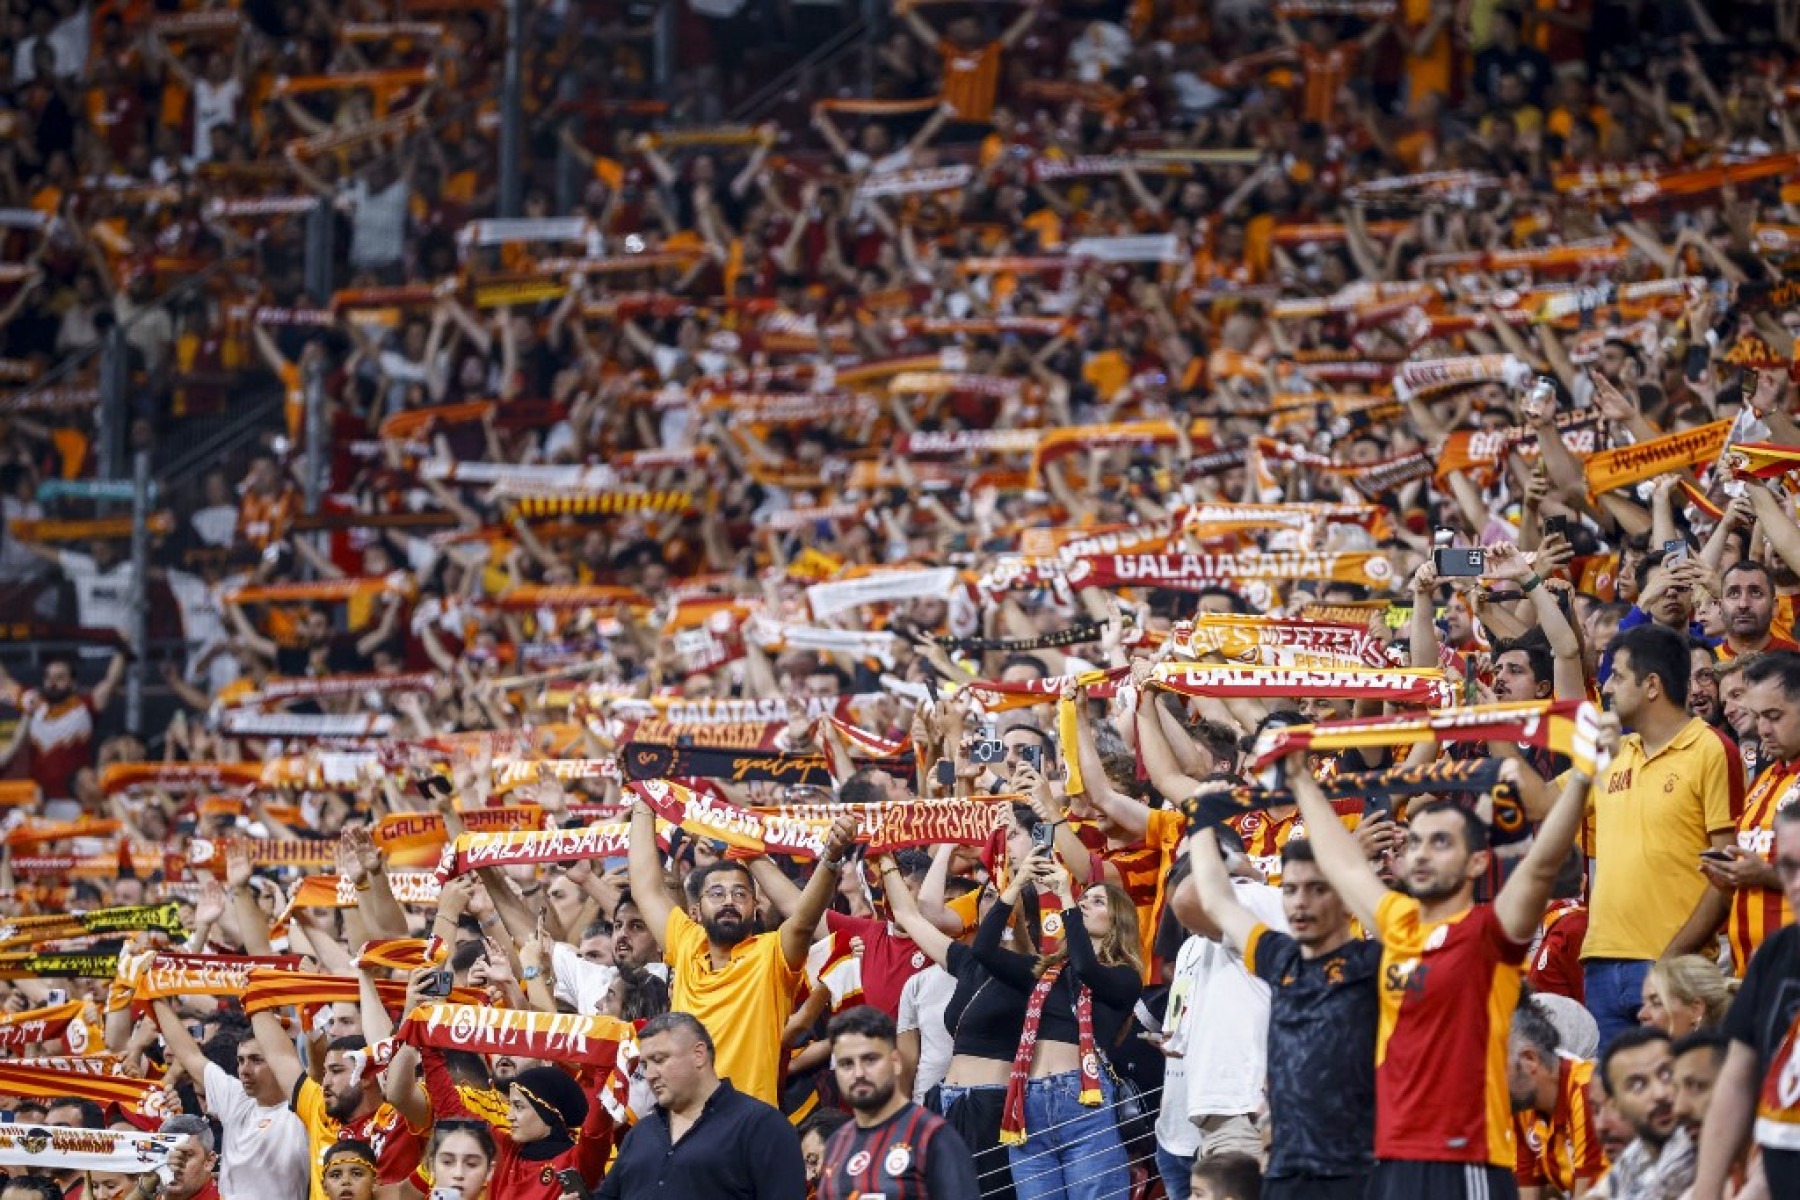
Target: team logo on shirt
918,960
546,1177
859,1162
1669,784
1053,924
897,1160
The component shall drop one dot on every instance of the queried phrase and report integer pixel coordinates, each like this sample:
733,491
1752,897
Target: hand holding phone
571,1182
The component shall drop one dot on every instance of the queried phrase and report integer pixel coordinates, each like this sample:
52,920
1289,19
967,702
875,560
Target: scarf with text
268,990
1400,685
70,1022
1623,466
1541,723
55,1149
157,975
1215,803
1251,638
478,1029
23,931
799,829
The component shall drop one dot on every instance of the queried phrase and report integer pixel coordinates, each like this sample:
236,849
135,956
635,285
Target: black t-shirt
985,1019
1759,1018
913,1155
1323,1016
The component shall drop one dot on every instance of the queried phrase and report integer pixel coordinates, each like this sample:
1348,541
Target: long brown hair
1121,946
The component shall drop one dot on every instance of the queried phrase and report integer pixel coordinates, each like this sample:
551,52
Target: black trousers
1316,1187
976,1118
1441,1181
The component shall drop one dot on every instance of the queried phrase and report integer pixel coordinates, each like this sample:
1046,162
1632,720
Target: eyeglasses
716,894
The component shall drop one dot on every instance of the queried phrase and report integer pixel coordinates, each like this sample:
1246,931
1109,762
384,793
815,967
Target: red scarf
1012,1117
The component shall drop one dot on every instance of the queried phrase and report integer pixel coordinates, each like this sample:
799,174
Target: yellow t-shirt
397,1147
1651,818
744,1006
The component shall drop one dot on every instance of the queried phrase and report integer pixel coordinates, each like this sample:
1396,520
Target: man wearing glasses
734,981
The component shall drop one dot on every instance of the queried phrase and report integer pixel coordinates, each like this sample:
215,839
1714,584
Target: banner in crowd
799,829
1539,723
53,1149
1623,466
591,1041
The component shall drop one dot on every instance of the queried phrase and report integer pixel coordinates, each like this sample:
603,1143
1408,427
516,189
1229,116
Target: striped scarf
1012,1116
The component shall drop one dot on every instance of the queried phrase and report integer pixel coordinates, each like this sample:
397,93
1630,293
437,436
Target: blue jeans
1072,1151
1177,1173
1615,993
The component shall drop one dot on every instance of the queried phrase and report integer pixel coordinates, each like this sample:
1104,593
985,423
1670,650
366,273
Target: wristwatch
833,864
531,973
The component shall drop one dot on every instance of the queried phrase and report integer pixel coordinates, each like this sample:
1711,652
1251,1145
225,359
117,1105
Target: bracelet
364,886
832,864
1531,585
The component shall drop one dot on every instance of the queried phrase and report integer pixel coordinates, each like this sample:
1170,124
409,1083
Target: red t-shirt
1448,989
888,959
62,742
1556,967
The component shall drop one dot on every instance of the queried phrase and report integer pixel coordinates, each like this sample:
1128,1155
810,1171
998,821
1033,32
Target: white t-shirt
216,524
1226,1039
584,984
923,1000
265,1153
102,598
214,105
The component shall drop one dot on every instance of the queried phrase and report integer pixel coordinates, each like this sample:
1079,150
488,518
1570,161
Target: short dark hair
1026,660
42,1185
1538,658
823,1121
1475,830
1749,564
1716,1040
863,1021
861,788
1780,666
349,1042
1629,1038
697,880
1297,850
672,1022
1659,651
92,1115
1231,1176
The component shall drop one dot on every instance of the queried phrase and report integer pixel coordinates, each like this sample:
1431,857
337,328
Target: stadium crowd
1186,598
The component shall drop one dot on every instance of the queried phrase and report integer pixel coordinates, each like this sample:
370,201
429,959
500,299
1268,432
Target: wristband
364,886
1531,585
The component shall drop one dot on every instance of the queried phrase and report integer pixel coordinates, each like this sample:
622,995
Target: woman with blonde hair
1684,994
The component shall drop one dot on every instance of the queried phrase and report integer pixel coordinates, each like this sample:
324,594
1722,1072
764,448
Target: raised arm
1212,887
797,930
284,1060
1520,904
1340,855
906,914
644,863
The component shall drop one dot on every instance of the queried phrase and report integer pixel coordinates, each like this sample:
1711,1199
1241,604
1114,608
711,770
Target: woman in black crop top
984,1020
1070,1149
